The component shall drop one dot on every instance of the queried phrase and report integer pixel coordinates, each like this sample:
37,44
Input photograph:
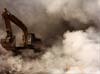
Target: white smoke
78,53
84,48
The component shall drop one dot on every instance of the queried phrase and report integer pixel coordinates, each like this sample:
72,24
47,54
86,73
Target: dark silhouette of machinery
29,39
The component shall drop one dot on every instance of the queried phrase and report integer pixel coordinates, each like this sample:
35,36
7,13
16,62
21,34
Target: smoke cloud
52,17
73,26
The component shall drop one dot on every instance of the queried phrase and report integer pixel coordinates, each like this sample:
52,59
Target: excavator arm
7,24
7,16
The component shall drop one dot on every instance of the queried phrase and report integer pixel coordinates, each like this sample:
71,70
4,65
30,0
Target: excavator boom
7,23
9,17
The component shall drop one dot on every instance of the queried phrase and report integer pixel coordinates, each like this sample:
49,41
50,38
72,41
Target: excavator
29,40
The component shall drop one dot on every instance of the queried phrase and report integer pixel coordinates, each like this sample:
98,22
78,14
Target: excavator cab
33,42
29,39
